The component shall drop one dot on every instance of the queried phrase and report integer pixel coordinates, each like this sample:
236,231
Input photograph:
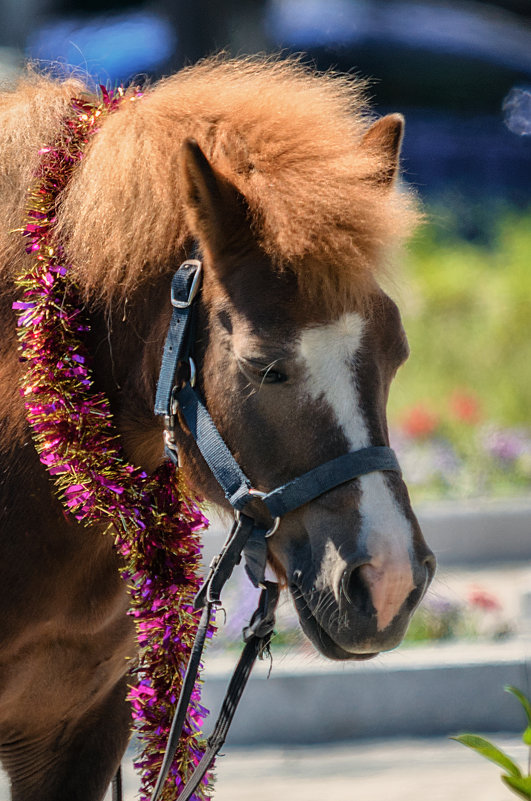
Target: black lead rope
117,791
187,688
257,638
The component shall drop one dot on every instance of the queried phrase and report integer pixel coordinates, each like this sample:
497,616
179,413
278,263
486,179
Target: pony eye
273,377
262,372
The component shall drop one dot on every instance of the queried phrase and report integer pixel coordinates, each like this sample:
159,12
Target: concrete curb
478,531
439,690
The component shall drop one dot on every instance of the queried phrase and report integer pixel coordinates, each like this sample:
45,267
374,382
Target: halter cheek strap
247,537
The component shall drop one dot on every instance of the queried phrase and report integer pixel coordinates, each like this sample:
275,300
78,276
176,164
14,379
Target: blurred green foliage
467,312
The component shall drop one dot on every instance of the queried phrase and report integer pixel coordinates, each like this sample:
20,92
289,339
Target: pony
287,185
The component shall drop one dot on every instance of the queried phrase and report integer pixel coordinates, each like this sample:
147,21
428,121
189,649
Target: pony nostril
355,590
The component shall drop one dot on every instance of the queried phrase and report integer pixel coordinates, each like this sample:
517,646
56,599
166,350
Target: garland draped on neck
154,525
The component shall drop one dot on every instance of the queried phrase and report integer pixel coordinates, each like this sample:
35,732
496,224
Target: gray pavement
437,769
384,770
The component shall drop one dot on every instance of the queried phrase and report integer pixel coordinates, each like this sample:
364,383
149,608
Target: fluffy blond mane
287,137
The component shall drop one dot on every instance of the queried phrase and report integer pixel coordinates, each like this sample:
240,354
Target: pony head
290,192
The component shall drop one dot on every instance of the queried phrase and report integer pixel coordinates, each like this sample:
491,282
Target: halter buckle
178,303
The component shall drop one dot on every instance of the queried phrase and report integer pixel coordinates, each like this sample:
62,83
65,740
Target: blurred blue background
460,71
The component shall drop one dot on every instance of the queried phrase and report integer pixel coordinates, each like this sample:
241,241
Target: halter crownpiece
247,537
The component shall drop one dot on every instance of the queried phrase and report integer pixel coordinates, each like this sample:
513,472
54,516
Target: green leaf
523,700
526,736
489,751
521,785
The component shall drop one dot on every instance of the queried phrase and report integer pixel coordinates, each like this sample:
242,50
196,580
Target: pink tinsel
155,527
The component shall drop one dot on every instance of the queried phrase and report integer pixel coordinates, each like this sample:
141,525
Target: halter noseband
247,537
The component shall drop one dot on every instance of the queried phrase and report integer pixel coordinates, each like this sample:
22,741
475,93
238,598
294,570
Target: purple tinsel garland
155,526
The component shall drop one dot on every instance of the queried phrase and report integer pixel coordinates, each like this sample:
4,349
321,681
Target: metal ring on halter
276,522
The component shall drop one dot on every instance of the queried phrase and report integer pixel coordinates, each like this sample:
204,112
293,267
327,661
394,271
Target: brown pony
288,189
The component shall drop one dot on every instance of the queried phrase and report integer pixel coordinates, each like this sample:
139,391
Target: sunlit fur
288,138
321,200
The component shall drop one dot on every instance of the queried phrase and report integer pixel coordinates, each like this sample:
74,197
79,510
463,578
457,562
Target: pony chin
366,648
317,635
322,641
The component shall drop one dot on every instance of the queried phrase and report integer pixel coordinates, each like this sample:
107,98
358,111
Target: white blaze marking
329,353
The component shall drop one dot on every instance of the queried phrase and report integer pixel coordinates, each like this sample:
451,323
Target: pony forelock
289,138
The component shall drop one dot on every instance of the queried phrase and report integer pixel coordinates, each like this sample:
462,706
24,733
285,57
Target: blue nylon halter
236,486
247,536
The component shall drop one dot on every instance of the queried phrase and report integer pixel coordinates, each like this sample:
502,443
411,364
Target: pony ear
216,210
384,137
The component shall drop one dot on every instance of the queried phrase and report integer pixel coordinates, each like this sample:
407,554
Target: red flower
419,421
484,600
465,407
